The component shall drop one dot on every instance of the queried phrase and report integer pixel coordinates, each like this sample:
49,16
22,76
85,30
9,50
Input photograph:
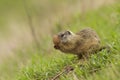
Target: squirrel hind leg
107,48
80,56
83,56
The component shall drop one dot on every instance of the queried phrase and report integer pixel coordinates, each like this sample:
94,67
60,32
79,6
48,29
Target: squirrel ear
68,32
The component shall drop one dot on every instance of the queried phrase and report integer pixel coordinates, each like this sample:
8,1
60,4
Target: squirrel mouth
56,47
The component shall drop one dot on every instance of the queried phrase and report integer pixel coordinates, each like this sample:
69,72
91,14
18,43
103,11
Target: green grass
48,62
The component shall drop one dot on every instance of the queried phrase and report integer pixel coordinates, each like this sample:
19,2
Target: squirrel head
62,37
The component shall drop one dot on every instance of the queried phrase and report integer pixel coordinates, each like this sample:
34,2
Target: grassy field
47,62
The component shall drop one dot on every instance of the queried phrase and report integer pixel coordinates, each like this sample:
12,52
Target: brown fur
82,43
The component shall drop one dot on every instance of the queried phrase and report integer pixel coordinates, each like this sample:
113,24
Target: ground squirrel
82,43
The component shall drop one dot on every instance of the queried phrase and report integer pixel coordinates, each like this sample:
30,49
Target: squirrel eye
62,35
